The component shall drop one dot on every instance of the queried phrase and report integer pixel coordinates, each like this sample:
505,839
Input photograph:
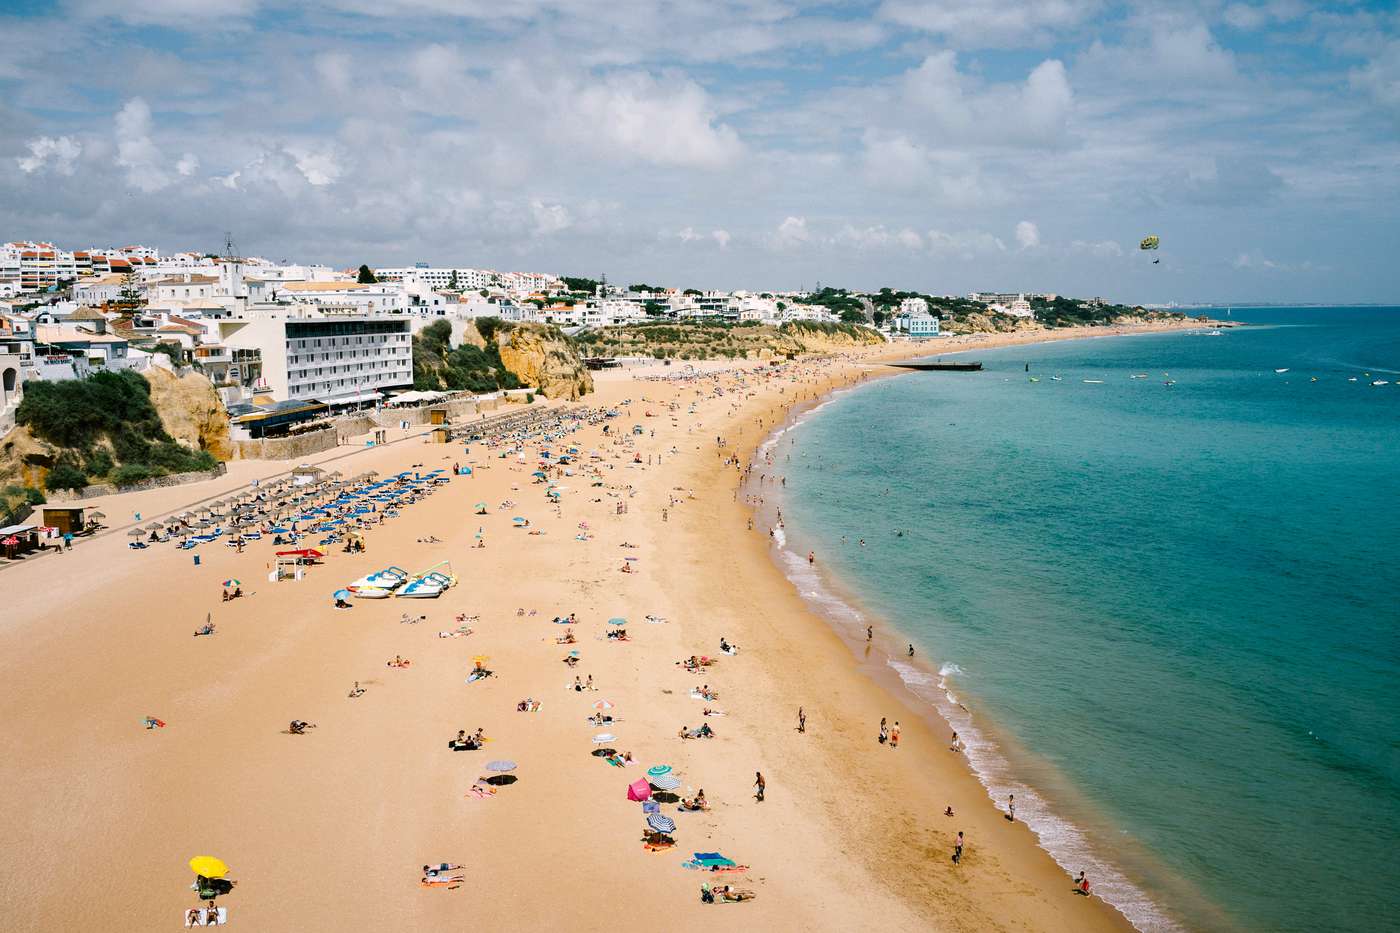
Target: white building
913,306
917,326
332,355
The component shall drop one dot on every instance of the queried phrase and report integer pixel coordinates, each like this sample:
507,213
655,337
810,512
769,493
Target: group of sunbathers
567,639
724,893
237,592
695,803
299,726
694,662
618,634
399,662
528,705
705,692
579,686
442,874
468,743
704,732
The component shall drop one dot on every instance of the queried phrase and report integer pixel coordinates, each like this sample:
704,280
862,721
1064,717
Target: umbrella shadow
664,796
500,780
603,752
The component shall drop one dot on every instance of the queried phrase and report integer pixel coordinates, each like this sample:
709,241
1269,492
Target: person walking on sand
870,633
957,849
911,651
760,786
894,735
801,720
1011,809
811,557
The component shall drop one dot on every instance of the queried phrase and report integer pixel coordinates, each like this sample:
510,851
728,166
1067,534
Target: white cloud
62,151
1380,78
1103,249
136,152
665,122
173,14
791,233
721,237
188,164
319,168
951,104
879,237
989,23
1027,234
550,218
966,246
1247,17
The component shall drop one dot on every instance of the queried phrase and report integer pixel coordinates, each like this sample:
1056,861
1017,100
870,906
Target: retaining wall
155,482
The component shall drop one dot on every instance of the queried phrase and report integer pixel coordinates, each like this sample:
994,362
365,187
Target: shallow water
1172,610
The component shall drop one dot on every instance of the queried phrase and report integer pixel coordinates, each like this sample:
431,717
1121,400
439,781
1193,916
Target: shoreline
849,832
922,685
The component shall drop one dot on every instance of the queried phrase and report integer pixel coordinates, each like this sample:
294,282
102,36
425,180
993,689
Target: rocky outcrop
190,410
542,358
711,341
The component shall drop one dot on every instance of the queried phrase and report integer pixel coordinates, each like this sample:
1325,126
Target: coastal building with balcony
333,355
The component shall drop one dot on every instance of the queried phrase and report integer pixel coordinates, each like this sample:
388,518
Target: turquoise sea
1171,612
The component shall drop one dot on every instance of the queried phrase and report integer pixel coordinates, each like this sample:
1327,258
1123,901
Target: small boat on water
1033,379
1057,378
1380,382
1093,382
1138,376
1284,370
380,584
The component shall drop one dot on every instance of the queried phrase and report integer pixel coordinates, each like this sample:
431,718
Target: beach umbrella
603,738
617,621
135,533
11,541
154,526
500,765
98,515
518,520
607,704
662,824
658,770
666,782
231,582
341,594
208,866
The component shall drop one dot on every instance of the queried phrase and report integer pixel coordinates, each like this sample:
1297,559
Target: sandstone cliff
699,341
542,358
190,410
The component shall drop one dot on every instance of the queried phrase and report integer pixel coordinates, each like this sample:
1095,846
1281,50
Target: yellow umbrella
481,657
208,866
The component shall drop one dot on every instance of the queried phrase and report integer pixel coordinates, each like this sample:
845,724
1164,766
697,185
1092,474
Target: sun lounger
206,917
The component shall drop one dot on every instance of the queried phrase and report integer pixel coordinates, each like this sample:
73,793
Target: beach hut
67,519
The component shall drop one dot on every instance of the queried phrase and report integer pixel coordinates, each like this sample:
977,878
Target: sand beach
328,830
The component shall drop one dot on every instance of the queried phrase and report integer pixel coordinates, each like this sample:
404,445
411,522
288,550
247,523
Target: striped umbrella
603,704
603,738
500,765
660,823
666,782
658,770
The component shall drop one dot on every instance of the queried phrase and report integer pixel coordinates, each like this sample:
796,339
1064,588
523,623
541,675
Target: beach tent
638,790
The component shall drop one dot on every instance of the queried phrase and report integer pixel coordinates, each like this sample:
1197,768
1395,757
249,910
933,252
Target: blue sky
929,144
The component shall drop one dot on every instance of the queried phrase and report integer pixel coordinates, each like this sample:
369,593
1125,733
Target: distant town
267,333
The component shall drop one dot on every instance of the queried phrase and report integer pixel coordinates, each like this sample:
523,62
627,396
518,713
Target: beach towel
207,917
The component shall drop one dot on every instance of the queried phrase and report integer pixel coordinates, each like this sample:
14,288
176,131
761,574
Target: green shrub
129,473
98,463
65,475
